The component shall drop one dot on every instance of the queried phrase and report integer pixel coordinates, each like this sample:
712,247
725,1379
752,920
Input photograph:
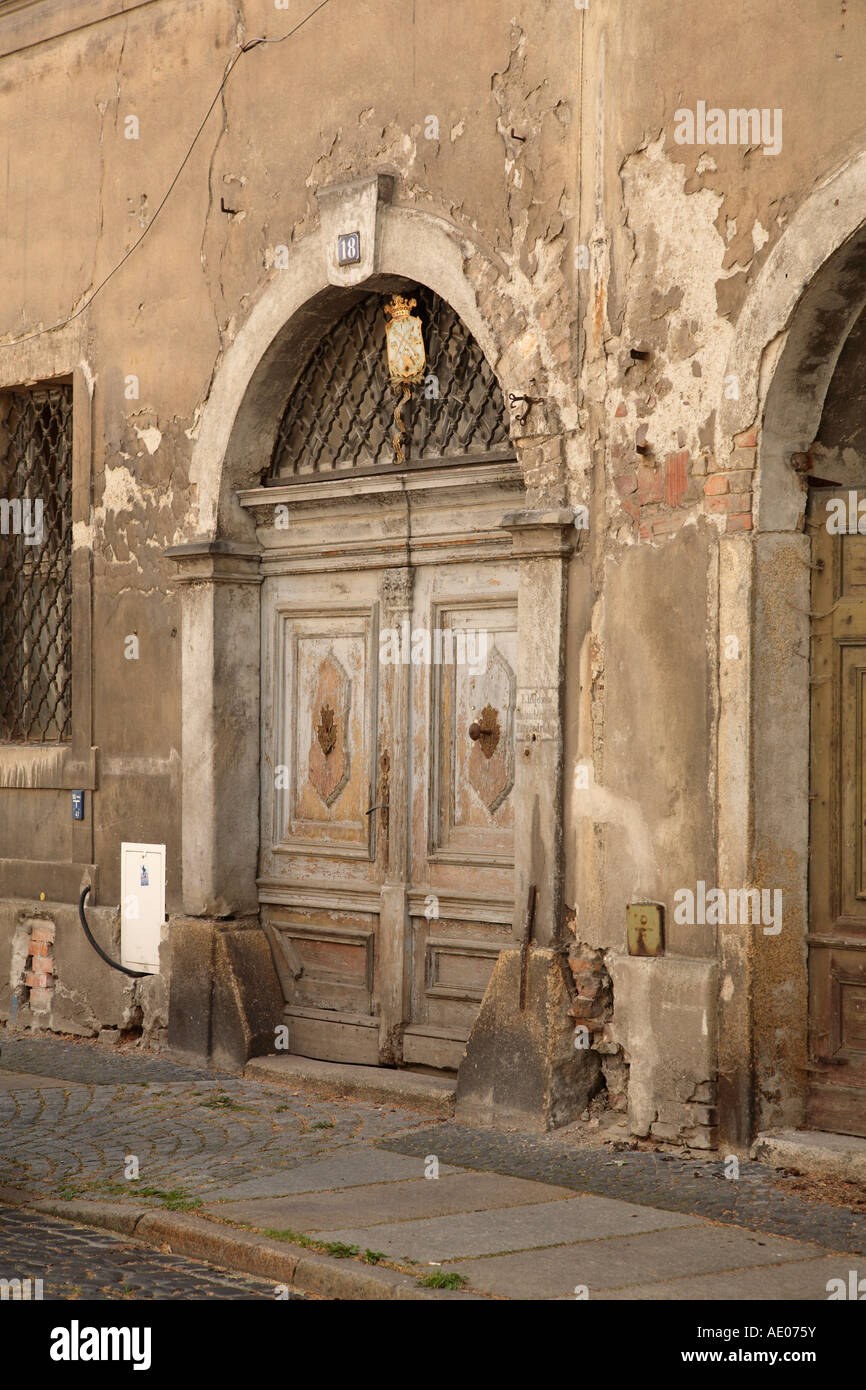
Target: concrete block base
664,1013
521,1070
226,1000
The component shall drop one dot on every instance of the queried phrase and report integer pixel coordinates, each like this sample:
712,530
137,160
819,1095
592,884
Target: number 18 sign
349,248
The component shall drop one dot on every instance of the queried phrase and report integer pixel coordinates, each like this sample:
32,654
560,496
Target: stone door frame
219,570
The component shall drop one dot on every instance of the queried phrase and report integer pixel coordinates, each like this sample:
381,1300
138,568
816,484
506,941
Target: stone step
335,1080
814,1153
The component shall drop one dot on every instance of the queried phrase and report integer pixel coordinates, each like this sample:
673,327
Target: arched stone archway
219,569
788,338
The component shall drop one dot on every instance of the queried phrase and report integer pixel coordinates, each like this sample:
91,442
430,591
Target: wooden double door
837,873
386,866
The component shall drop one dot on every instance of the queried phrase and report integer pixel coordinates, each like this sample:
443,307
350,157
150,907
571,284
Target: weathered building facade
636,239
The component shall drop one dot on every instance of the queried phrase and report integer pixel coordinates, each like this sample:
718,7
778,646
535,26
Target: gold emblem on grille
406,358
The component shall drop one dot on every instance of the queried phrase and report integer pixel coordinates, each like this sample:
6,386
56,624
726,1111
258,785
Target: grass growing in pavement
173,1199
290,1237
438,1280
327,1247
222,1102
443,1281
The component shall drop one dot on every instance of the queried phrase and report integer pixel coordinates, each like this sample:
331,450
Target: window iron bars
35,565
340,413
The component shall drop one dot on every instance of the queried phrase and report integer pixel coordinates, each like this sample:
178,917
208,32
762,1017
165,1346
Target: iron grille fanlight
35,565
340,414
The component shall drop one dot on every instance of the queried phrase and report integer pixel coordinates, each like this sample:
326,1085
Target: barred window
340,413
35,564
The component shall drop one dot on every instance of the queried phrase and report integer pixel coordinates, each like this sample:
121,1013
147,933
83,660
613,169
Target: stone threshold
410,1090
814,1153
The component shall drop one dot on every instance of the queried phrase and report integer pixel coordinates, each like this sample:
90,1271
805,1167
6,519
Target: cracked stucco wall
94,125
533,132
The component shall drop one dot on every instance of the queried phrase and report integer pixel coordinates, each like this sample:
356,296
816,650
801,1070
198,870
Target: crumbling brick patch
728,490
39,975
658,495
592,1010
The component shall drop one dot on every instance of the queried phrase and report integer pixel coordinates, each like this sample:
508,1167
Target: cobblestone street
194,1134
74,1263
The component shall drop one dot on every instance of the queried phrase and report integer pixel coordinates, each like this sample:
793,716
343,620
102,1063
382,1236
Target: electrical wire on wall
243,48
124,970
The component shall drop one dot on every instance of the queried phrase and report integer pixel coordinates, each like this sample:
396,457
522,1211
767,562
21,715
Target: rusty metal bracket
527,938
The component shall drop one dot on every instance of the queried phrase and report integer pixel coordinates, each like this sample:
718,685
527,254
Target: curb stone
241,1252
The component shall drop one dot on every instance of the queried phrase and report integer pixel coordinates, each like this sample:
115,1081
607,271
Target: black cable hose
135,974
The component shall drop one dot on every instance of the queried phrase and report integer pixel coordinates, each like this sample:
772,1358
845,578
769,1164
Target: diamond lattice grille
340,414
35,554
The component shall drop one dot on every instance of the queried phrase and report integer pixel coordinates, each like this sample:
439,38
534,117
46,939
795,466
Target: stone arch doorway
220,572
790,340
389,683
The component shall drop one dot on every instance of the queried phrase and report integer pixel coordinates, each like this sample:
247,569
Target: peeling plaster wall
587,235
676,238
343,98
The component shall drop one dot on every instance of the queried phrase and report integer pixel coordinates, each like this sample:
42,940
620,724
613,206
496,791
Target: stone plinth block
521,1070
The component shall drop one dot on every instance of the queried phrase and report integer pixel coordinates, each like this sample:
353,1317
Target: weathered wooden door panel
326,735
462,808
837,879
321,861
386,870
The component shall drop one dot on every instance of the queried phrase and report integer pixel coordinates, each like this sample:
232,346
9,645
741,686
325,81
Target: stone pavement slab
30,1081
613,1263
513,1228
380,1203
756,1199
805,1279
352,1166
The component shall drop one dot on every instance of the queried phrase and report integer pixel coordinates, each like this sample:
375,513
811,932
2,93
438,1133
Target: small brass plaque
645,929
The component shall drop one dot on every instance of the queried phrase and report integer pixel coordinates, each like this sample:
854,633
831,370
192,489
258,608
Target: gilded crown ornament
407,359
399,307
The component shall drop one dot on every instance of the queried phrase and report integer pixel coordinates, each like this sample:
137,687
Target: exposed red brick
625,483
37,980
44,932
734,502
715,486
676,477
40,948
667,525
621,410
649,484
747,440
742,522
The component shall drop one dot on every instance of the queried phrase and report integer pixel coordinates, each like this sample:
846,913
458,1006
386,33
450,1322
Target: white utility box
142,905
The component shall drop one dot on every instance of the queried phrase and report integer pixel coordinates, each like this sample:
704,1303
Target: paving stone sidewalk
508,1216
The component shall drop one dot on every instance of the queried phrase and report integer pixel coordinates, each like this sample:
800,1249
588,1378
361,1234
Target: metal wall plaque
349,248
645,929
